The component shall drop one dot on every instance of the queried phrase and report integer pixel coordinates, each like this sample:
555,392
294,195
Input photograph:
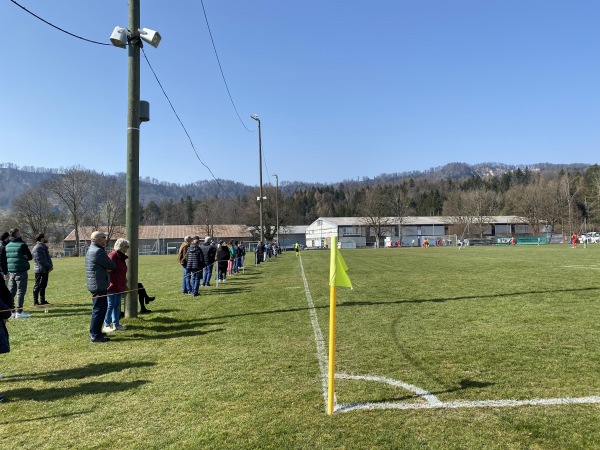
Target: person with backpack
208,253
241,252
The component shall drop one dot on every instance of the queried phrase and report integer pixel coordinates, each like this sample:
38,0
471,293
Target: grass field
238,367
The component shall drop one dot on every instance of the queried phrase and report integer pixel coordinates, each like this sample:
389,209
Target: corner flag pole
332,293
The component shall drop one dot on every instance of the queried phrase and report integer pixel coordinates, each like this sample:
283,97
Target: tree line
569,201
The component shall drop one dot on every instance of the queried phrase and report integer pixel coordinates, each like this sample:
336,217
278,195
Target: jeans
98,313
207,274
18,288
196,275
39,288
186,285
113,310
235,265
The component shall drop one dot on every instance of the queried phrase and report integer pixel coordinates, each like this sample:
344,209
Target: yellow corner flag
337,269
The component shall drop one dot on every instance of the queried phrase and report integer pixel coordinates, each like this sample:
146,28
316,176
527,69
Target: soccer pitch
489,347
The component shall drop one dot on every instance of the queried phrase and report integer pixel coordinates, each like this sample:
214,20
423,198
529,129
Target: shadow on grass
465,297
168,328
462,386
78,373
54,416
53,394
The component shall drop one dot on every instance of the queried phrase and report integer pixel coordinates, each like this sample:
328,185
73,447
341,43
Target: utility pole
132,220
277,207
260,193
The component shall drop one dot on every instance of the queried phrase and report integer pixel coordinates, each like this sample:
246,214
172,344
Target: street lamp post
277,207
260,193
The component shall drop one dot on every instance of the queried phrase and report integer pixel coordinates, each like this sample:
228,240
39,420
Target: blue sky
344,89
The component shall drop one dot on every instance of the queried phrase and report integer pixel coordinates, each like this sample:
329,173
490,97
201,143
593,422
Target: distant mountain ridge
15,180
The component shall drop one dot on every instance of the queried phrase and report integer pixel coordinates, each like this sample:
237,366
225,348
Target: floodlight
118,38
254,116
150,36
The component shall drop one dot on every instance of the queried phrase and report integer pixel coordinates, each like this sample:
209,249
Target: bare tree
34,212
375,211
73,189
571,191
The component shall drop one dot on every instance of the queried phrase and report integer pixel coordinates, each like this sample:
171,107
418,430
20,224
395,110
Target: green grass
237,367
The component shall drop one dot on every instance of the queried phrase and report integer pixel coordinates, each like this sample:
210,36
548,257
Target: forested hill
15,180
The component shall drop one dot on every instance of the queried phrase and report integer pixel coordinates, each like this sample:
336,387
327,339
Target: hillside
14,180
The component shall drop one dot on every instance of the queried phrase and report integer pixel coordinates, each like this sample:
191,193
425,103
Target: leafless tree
375,210
73,188
34,212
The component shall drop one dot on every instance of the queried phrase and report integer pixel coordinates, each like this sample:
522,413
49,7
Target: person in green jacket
18,256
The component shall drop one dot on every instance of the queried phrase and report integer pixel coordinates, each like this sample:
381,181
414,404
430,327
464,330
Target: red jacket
118,277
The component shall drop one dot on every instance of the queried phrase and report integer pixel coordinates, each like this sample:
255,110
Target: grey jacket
42,262
97,263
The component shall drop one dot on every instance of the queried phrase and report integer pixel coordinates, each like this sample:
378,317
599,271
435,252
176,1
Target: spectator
208,253
3,262
259,251
97,267
231,258
186,286
42,266
5,314
18,257
241,252
195,264
144,299
118,285
222,260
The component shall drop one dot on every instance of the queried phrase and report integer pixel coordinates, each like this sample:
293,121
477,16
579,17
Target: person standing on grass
222,261
260,251
18,257
195,264
4,316
231,259
3,263
297,248
118,285
208,254
42,266
241,252
97,267
186,285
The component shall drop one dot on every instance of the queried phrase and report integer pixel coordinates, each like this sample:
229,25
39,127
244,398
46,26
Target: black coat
195,259
4,314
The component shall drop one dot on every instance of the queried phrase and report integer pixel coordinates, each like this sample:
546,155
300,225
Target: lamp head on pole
255,117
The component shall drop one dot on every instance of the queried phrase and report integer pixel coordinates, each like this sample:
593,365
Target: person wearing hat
208,253
97,267
186,285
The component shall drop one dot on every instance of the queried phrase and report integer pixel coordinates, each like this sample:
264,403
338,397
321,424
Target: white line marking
321,352
429,397
470,404
575,266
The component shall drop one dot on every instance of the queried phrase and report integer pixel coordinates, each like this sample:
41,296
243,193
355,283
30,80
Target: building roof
150,232
415,220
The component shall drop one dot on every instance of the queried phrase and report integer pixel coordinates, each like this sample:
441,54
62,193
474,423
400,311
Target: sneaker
22,315
12,315
2,398
1,376
120,327
44,302
108,329
100,339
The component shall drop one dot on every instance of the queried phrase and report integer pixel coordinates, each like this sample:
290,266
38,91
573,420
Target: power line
221,68
58,28
185,130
